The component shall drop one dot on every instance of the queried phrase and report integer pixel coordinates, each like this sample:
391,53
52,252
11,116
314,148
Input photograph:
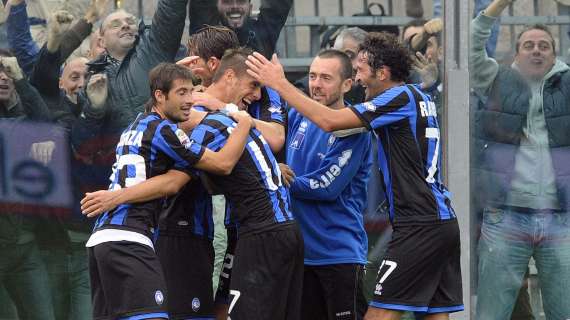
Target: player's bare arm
273,132
270,73
98,202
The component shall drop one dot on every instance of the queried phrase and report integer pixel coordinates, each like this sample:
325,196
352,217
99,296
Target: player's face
247,88
177,106
367,77
325,83
536,54
6,87
234,13
73,77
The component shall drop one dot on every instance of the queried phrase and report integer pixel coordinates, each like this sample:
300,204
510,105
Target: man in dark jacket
260,34
521,148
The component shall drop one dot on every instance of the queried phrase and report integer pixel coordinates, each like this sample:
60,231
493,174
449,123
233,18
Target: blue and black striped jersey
257,198
150,146
405,120
188,213
270,108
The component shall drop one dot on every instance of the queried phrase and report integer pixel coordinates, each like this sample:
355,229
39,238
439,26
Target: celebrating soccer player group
296,243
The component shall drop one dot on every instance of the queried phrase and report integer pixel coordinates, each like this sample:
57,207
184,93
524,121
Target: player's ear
346,85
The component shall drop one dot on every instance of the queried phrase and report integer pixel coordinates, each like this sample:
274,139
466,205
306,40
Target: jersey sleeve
389,107
270,108
339,166
179,147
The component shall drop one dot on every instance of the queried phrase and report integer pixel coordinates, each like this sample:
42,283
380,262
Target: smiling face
119,32
234,13
244,89
367,77
73,77
325,82
535,56
176,105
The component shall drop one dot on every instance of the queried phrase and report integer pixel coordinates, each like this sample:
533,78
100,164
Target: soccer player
421,268
328,196
126,276
267,269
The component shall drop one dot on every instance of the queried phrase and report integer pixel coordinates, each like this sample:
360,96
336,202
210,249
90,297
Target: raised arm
272,17
270,73
165,33
19,35
482,68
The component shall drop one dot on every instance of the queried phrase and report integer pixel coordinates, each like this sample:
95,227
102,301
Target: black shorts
421,270
223,292
188,264
267,276
126,280
333,292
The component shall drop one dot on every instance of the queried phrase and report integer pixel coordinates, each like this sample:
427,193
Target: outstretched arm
270,73
19,35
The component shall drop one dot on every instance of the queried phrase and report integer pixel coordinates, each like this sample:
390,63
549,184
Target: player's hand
242,117
191,63
42,151
207,100
426,68
95,203
12,68
268,73
287,174
97,90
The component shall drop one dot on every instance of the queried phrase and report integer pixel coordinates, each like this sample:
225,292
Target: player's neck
217,91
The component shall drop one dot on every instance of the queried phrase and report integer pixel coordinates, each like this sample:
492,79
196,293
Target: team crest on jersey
297,140
332,139
195,304
159,297
183,138
369,106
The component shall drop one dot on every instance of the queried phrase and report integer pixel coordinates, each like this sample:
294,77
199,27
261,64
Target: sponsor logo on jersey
159,297
297,140
378,290
332,139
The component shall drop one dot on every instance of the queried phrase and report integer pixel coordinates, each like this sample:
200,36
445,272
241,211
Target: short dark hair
233,59
212,41
162,76
345,63
537,26
413,23
384,49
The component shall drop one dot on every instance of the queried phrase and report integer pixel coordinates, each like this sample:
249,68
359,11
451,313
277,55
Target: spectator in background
423,38
522,151
347,41
28,52
260,34
22,270
327,181
131,51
